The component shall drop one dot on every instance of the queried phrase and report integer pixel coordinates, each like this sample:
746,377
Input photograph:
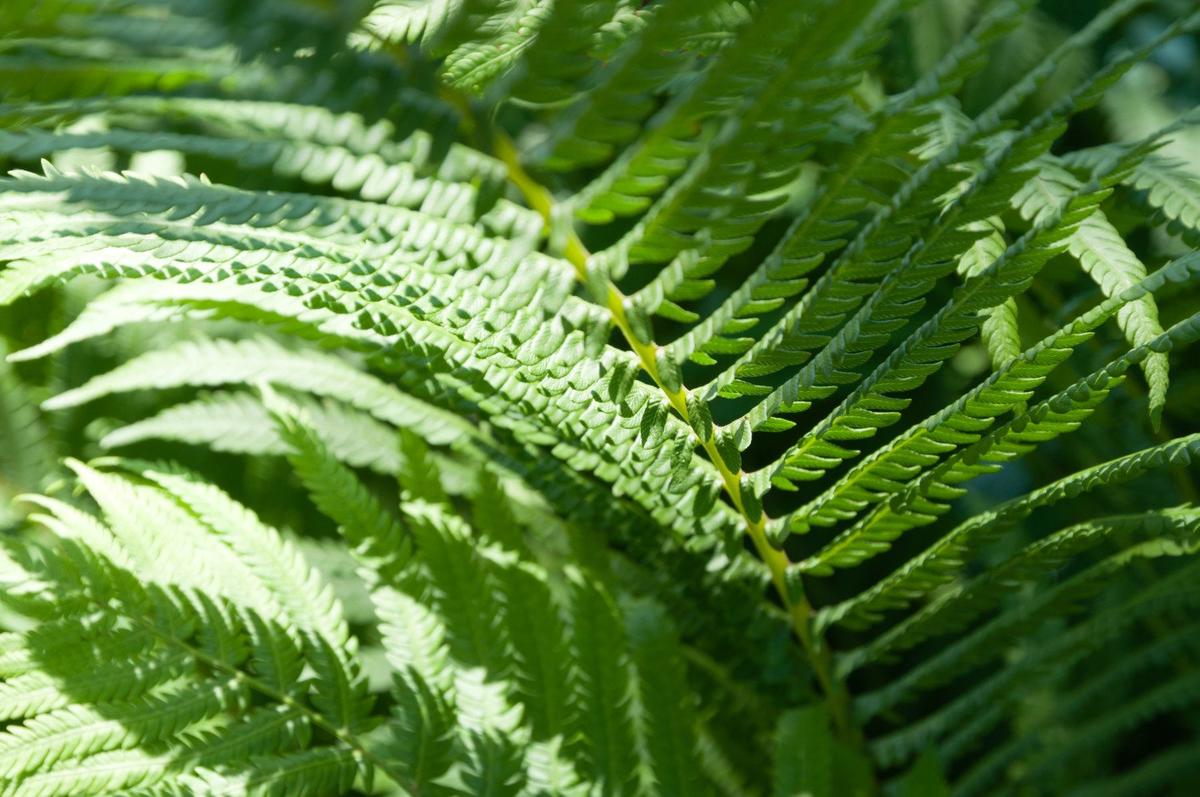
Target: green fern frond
803,754
902,506
939,563
1067,649
28,458
238,423
196,660
1103,254
1165,185
489,305
213,363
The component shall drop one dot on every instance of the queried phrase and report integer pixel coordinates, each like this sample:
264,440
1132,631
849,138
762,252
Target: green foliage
597,397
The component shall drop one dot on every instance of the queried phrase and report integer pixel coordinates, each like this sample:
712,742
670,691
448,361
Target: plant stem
794,599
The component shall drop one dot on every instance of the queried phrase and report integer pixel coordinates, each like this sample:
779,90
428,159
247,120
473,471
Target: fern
594,398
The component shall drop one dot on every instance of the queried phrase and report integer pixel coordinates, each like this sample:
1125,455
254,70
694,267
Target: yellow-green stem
798,608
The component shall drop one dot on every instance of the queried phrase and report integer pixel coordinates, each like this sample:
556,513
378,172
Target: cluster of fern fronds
599,397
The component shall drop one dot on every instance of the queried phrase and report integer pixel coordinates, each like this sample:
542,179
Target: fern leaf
924,498
668,721
1179,692
923,188
166,712
308,773
1057,600
275,562
870,406
498,31
552,67
1174,192
421,734
238,423
212,363
813,205
1164,184
1067,649
28,456
195,560
804,754
34,694
563,363
315,145
604,687
413,20
374,534
937,564
821,226
1104,255
538,638
959,606
76,731
835,52
620,95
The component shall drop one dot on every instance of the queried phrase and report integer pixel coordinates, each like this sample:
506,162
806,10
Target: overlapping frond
209,685
495,638
494,346
231,678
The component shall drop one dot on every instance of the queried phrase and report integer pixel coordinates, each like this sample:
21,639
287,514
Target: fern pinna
596,397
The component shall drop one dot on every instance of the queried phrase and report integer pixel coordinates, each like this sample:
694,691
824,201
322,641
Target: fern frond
803,754
238,423
198,561
667,713
1176,537
1174,192
509,663
855,185
196,662
526,415
989,698
1000,330
1103,254
28,457
412,20
620,94
395,161
604,686
939,563
581,376
1177,693
550,69
1166,186
375,535
212,363
872,404
720,196
955,608
298,594
852,277
961,426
